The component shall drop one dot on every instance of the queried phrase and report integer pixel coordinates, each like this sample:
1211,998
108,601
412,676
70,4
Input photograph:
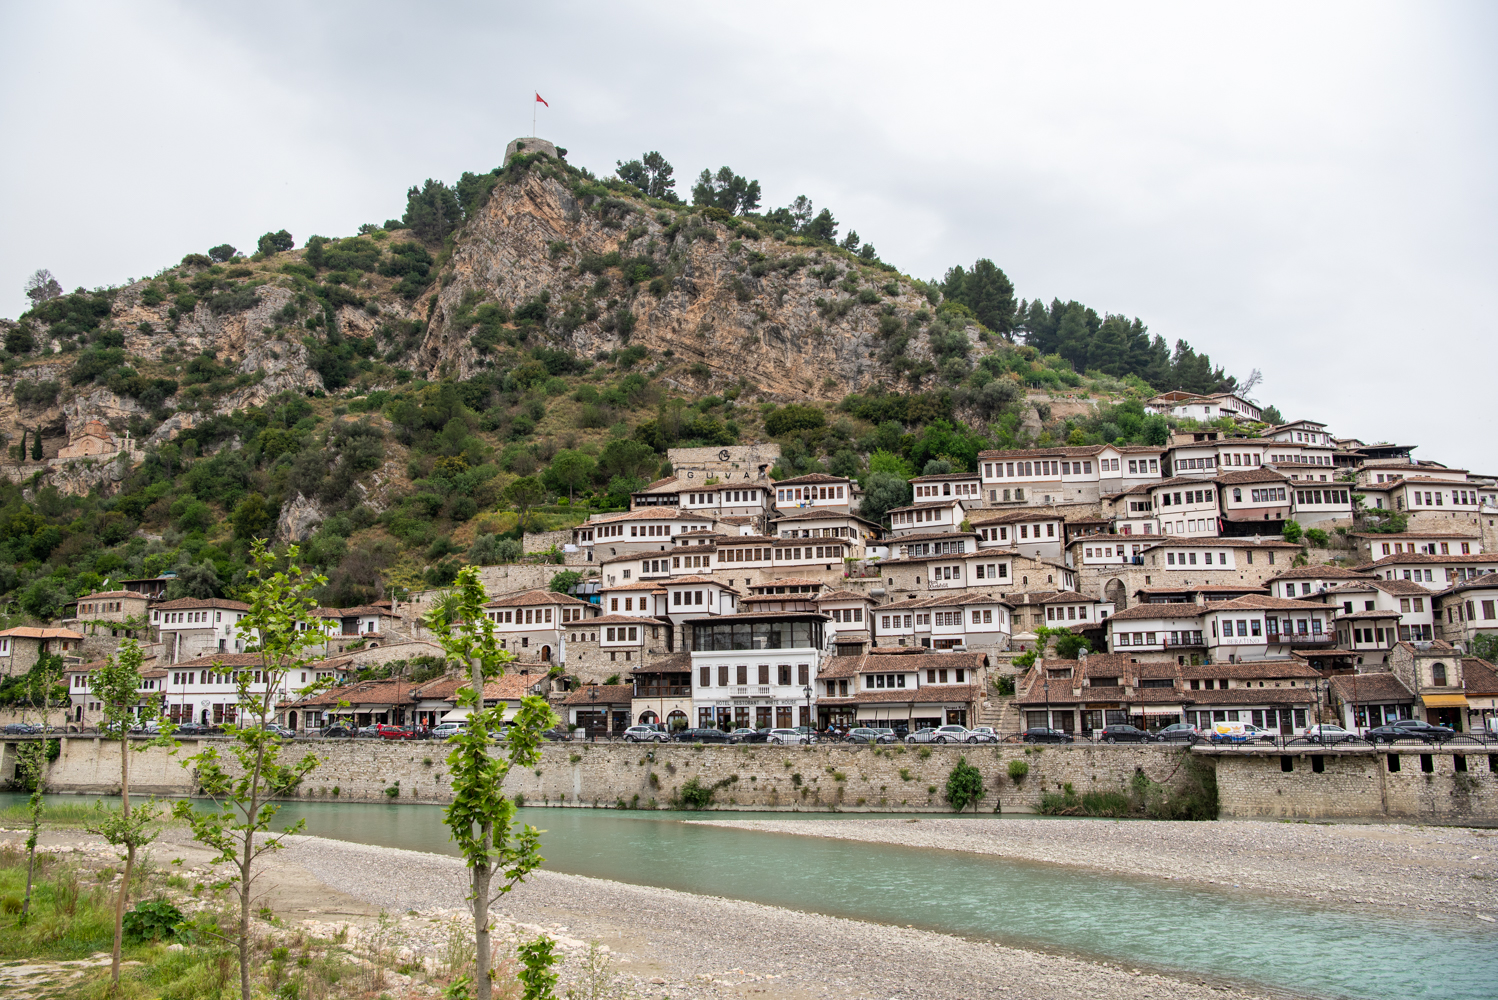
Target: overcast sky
1305,189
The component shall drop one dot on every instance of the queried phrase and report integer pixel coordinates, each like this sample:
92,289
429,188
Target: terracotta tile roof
1250,476
379,692
225,659
662,513
815,478
1411,558
29,632
1323,572
1403,535
1252,670
601,694
1085,451
880,661
751,540
1174,611
931,536
655,586
673,581
1205,588
676,663
1399,588
812,514
658,484
931,505
1052,597
982,517
535,597
1368,615
1370,687
842,595
195,604
789,581
112,593
1479,676
615,620
949,477
1250,696
1258,602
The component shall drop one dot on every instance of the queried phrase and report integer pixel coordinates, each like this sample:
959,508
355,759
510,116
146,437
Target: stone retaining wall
896,778
1358,784
1351,784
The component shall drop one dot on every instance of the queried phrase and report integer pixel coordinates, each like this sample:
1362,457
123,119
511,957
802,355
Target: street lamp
808,692
1046,683
593,706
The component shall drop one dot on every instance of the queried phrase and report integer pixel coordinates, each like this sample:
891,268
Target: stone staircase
999,712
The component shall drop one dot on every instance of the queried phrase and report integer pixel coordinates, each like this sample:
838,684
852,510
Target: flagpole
533,116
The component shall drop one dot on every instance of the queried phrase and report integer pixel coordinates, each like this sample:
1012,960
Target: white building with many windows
757,670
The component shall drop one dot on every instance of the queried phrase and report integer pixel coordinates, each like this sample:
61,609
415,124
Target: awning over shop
456,715
1161,709
1444,700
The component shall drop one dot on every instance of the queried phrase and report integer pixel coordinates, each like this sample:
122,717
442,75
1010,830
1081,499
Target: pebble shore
1451,870
681,945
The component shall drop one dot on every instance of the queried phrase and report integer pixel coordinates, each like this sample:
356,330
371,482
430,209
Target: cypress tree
36,446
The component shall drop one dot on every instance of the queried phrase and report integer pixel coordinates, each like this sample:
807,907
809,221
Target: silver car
941,734
646,734
788,736
982,734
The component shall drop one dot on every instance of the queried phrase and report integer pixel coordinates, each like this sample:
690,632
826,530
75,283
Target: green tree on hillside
726,190
275,242
432,211
651,174
987,291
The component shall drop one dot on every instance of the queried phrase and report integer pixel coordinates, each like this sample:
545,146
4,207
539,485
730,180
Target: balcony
1310,639
663,691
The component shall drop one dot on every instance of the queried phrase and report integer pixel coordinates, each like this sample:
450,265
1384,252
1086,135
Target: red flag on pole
542,100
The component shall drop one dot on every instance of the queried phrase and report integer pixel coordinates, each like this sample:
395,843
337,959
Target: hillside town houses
1273,575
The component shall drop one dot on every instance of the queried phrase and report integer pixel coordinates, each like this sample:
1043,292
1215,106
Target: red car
394,732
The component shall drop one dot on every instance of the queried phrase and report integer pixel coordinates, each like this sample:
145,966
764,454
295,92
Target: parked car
864,734
810,732
196,729
1325,733
746,735
446,730
283,732
1180,732
388,732
1040,734
983,734
21,729
787,736
705,734
557,734
1120,733
1411,729
648,733
1258,734
334,732
938,734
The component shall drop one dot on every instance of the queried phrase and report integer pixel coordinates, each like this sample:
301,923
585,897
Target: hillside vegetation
518,350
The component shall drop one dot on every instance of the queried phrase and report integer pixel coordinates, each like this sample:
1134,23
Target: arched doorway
545,654
1116,592
648,718
676,720
291,719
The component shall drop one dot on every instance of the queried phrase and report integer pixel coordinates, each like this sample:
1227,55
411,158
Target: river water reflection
1333,951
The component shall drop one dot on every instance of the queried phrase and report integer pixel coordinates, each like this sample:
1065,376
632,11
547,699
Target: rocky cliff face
796,322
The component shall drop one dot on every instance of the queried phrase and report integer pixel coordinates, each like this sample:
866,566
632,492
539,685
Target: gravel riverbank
682,945
1429,868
